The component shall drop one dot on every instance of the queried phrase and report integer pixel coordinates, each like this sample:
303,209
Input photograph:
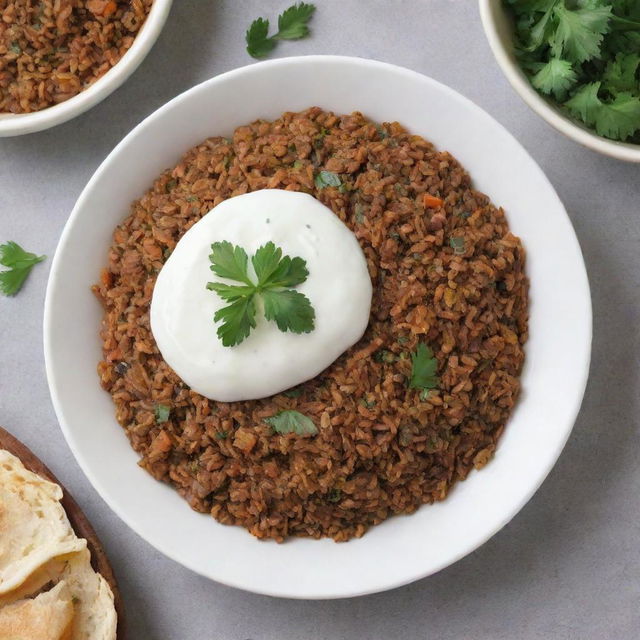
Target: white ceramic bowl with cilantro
16,124
401,549
498,28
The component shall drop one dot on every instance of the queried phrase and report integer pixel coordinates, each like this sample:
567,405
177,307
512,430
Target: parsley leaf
259,44
229,262
620,73
617,119
19,263
585,102
555,77
424,367
290,309
292,25
276,274
161,412
579,33
272,268
327,179
291,421
238,319
458,245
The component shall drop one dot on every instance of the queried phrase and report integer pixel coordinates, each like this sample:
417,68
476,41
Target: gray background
568,566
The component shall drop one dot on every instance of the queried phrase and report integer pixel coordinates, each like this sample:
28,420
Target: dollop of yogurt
269,360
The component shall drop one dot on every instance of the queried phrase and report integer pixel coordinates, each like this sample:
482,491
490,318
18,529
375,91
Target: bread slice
95,614
33,524
47,617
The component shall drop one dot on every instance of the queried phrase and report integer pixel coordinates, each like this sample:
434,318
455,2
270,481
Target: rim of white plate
581,369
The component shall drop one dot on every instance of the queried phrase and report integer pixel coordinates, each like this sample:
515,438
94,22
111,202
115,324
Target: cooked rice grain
52,50
446,271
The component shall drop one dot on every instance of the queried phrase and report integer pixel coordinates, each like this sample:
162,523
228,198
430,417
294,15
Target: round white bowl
16,124
401,549
499,32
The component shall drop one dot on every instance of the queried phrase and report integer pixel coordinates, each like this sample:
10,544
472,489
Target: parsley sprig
424,368
19,263
292,25
276,274
586,55
290,421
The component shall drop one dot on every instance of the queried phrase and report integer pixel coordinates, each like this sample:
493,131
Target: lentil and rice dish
51,50
445,270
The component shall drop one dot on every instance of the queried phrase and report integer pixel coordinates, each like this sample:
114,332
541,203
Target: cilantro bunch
276,275
585,54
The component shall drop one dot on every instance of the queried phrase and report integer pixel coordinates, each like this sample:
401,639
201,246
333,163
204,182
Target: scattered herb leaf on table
292,25
19,263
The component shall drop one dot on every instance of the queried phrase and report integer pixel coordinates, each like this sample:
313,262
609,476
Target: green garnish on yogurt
276,275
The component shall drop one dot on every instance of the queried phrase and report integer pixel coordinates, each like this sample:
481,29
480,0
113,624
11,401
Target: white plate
402,549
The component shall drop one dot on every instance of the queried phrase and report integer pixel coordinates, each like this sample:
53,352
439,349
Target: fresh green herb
292,422
290,309
464,215
458,246
334,495
585,54
19,263
424,394
424,367
297,164
369,404
162,413
381,131
384,355
15,48
222,435
170,185
292,25
359,213
327,179
192,199
292,393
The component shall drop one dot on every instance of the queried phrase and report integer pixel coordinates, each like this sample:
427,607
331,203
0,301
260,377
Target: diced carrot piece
431,202
109,8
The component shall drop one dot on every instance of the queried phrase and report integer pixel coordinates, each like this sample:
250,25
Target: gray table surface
568,566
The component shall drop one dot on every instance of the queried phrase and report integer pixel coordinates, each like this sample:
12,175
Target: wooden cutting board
78,520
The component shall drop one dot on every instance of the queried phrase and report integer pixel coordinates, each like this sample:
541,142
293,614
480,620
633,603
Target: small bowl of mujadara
289,338
59,58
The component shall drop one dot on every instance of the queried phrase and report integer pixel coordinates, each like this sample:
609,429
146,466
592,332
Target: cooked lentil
382,448
52,50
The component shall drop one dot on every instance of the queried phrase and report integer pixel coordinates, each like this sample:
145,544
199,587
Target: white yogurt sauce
269,360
